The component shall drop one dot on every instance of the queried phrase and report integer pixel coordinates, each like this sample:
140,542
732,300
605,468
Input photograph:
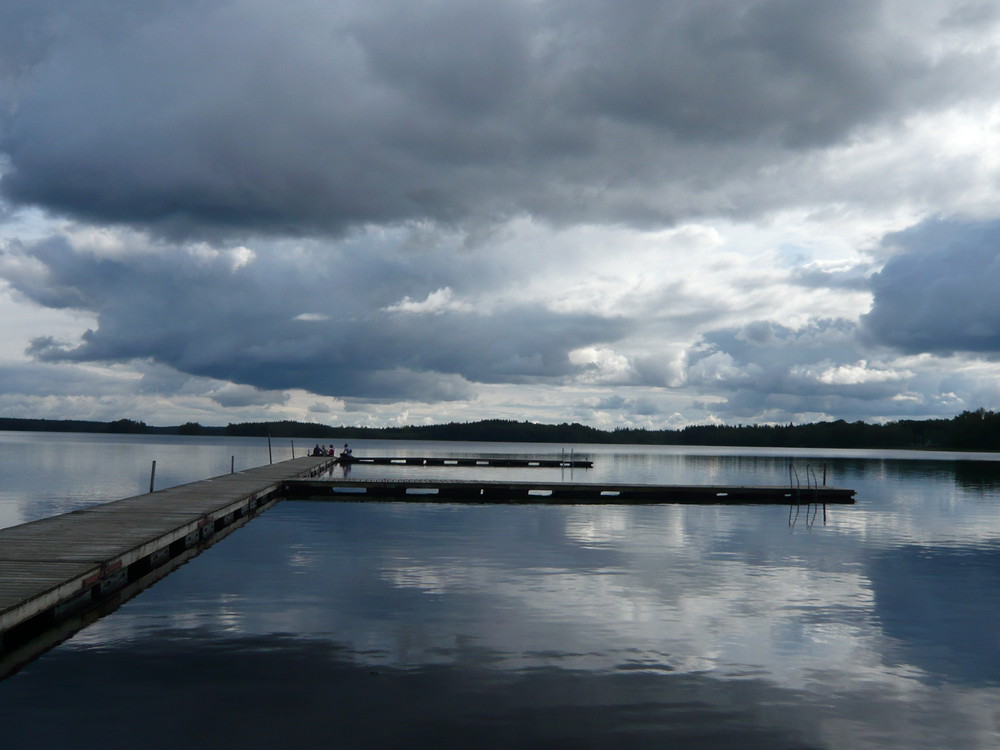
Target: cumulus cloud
436,303
849,374
312,317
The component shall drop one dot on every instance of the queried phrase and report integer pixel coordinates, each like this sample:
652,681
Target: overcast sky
645,213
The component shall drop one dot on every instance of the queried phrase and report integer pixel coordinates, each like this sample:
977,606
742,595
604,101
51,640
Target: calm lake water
351,624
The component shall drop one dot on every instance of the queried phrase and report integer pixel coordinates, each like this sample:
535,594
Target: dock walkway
56,566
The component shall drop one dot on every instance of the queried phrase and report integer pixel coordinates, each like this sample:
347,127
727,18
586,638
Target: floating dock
55,568
507,463
443,490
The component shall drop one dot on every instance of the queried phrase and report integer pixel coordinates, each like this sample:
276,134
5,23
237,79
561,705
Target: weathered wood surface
430,490
48,562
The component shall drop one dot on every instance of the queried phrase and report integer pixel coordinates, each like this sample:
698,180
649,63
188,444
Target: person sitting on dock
347,452
318,450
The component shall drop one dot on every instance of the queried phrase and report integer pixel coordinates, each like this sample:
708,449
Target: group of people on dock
329,450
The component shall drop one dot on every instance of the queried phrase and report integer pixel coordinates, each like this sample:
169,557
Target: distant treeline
970,430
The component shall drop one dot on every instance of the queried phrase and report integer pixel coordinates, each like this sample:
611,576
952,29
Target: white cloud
435,303
312,317
855,374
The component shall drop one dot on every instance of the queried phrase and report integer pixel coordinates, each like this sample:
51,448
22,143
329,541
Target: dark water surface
423,625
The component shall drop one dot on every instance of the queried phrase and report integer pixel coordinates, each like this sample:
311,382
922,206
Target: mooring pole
824,475
270,459
293,449
152,476
232,464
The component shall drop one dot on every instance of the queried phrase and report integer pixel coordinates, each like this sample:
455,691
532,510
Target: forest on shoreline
977,430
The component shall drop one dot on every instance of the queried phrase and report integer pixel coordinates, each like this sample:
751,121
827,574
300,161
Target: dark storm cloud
804,73
938,293
314,322
192,116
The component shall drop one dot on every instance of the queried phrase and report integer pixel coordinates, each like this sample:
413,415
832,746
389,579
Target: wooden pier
431,490
55,568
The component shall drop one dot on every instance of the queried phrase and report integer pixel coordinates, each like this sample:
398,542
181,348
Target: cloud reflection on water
324,694
722,597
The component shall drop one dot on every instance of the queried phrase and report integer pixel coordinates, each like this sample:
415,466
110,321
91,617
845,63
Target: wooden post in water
152,476
293,449
270,458
232,464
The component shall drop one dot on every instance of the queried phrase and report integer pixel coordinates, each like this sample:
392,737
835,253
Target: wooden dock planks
73,556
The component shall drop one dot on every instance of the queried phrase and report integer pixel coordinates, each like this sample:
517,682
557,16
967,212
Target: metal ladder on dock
812,495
